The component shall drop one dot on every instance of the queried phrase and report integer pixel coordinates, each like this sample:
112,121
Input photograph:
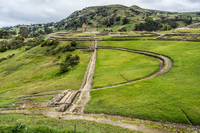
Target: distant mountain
117,18
112,17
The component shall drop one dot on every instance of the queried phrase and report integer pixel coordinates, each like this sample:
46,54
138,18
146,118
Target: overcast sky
13,12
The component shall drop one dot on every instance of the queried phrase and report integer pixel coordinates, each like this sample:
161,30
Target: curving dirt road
80,103
166,65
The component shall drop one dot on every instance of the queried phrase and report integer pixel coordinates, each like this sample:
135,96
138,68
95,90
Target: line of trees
149,25
6,34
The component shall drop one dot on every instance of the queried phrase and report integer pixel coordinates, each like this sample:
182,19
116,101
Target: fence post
74,128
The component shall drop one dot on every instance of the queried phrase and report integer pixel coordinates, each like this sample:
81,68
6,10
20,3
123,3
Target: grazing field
40,98
129,37
194,30
83,34
33,123
174,97
32,71
115,67
79,43
176,37
140,37
84,43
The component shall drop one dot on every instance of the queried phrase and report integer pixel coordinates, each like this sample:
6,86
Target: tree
125,21
69,61
64,67
149,25
166,27
48,30
73,43
3,48
23,31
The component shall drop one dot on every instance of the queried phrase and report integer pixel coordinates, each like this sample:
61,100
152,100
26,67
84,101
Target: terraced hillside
140,85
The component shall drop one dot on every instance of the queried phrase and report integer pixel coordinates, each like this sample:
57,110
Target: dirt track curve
76,109
166,65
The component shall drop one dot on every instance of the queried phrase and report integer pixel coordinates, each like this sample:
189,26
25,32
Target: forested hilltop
110,18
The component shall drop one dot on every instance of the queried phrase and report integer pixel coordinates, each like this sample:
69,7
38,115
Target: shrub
49,42
69,61
73,43
3,48
55,51
64,67
66,48
72,49
68,57
19,128
166,27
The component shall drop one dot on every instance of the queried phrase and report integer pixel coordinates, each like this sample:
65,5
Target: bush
69,61
166,27
122,29
72,49
49,42
22,128
16,43
68,58
68,47
64,67
19,128
3,48
73,43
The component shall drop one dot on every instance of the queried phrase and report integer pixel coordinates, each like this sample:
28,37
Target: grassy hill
30,71
36,70
114,18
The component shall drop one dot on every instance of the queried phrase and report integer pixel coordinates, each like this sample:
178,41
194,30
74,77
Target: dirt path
76,110
107,120
145,126
86,87
166,65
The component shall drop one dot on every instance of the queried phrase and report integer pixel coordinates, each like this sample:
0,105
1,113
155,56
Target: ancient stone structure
87,28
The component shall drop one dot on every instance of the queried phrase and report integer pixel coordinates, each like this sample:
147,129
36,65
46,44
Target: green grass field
84,43
134,33
195,30
40,124
176,37
31,71
78,43
83,34
115,67
139,37
46,98
174,97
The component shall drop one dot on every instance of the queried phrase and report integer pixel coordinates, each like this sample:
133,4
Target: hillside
115,18
113,78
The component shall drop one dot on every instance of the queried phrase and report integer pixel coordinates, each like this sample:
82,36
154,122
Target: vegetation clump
14,43
6,34
65,48
4,58
70,61
149,25
49,42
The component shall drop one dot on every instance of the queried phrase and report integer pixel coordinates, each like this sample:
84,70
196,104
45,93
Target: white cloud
5,10
50,10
